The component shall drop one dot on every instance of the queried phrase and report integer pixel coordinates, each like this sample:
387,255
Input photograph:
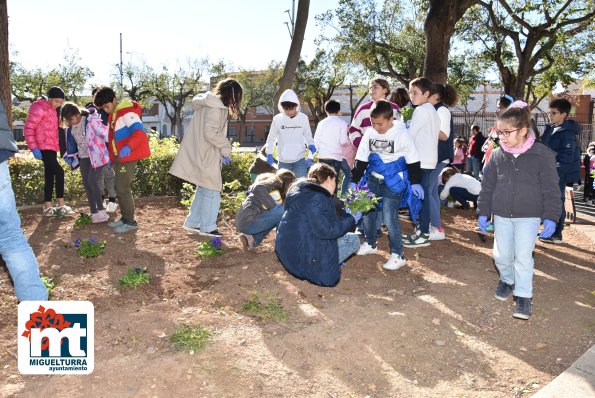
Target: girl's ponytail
447,93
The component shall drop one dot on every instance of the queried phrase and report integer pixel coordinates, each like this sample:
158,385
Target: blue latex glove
482,222
226,160
549,227
36,153
312,148
124,152
270,160
418,191
352,185
309,163
357,216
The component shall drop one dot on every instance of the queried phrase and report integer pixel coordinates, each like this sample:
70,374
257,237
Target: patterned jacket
126,129
97,134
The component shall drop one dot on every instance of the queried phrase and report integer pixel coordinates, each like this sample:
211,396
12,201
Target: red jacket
41,126
126,129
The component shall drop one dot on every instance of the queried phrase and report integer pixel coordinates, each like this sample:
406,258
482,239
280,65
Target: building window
18,134
232,131
250,134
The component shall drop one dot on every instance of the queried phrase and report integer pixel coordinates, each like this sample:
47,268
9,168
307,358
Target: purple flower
138,270
77,242
370,195
349,200
216,242
92,240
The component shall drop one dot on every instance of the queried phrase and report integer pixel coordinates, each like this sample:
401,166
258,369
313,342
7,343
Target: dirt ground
432,328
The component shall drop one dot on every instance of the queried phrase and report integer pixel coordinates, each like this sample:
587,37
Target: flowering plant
211,248
407,113
135,277
90,247
360,199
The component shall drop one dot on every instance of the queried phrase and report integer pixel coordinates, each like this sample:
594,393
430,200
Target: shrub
152,175
190,337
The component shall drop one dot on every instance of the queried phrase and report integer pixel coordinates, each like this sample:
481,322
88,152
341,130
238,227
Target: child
462,187
442,96
385,152
589,164
400,97
475,151
331,136
260,165
41,134
561,136
424,129
90,135
262,210
127,144
290,130
519,188
460,154
204,149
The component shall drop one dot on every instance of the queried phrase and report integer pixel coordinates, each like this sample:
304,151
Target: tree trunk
294,50
439,27
4,66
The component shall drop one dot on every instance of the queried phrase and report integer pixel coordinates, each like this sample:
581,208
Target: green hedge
152,175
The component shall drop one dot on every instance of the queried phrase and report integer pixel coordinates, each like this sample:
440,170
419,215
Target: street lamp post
121,71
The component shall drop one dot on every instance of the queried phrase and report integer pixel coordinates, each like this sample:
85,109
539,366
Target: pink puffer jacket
41,127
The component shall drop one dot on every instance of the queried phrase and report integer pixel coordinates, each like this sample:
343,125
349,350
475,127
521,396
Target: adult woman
204,149
312,239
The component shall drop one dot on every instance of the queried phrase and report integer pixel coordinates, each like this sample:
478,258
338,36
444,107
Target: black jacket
563,141
526,186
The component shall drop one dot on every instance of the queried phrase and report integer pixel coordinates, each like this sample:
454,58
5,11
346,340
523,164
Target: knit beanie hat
55,92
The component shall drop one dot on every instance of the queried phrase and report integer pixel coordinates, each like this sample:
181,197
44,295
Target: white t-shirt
292,135
425,129
393,144
461,181
330,134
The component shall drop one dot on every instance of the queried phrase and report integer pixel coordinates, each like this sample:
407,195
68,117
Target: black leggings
52,170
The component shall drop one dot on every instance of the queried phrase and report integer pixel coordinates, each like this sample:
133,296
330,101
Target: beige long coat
205,144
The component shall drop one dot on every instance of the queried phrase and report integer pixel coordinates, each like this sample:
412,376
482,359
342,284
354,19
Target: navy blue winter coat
307,235
564,141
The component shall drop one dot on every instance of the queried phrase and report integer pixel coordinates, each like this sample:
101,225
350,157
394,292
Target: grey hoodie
8,146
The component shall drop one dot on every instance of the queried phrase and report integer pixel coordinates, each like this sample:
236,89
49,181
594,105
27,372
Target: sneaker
489,228
523,308
366,249
213,233
126,227
247,242
437,233
115,224
191,229
421,240
98,217
48,211
503,290
65,210
112,207
395,261
416,232
552,239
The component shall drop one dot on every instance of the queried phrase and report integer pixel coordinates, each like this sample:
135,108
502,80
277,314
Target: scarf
520,149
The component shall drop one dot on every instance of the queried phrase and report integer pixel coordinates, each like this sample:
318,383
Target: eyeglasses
553,113
506,133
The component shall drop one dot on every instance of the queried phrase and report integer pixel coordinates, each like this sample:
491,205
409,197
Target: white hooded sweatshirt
291,134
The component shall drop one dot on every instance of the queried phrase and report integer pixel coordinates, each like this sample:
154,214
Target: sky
247,34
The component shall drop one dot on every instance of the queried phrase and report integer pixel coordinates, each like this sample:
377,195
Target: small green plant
135,277
49,283
90,247
187,194
360,199
208,249
268,308
190,338
407,113
82,220
232,198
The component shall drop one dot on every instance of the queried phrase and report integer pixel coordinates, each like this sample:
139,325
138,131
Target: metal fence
462,126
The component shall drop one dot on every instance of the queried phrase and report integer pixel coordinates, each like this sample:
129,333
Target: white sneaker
437,233
394,262
99,217
111,207
366,249
65,210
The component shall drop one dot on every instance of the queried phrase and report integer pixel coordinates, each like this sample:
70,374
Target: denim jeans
434,196
348,245
462,196
261,227
298,168
473,165
560,223
514,241
336,165
204,210
14,248
390,210
424,214
346,177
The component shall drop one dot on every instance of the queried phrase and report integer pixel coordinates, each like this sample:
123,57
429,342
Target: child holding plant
262,210
388,162
90,135
520,189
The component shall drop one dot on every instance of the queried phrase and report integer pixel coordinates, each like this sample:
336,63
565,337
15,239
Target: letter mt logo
56,337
